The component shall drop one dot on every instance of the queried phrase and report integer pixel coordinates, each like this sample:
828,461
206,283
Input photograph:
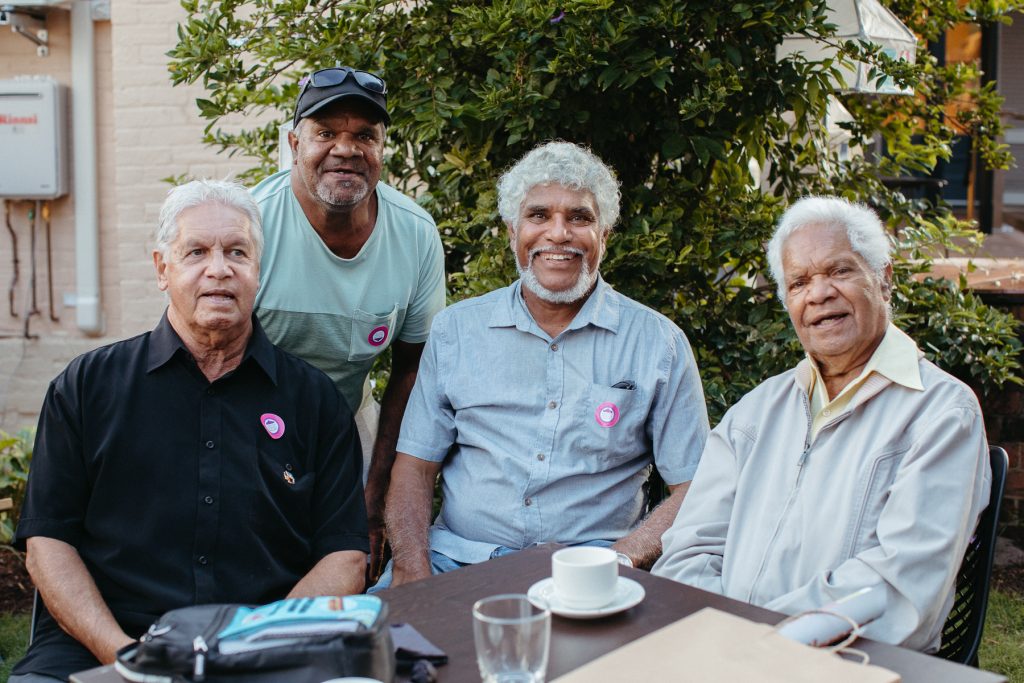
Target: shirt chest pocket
371,334
282,503
610,423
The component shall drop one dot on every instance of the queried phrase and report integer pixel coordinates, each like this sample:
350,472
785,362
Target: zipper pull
803,458
200,650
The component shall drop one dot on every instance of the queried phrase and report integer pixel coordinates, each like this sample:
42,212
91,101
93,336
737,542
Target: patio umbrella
865,20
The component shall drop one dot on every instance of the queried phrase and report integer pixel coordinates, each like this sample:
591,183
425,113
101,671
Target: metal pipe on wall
14,257
33,216
30,309
49,263
89,313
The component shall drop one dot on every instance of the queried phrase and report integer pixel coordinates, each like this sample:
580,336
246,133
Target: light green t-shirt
340,314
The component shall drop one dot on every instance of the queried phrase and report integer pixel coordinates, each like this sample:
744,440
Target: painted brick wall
27,365
146,131
157,134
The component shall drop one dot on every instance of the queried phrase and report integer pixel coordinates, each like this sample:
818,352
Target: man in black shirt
193,464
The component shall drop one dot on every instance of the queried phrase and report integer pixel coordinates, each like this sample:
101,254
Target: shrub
679,96
15,456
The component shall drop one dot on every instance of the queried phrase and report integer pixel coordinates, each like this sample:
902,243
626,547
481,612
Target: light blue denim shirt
538,442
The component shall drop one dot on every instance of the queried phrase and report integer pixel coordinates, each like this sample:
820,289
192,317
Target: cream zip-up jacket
889,492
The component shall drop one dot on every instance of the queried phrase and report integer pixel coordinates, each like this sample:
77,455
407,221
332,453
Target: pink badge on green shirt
378,335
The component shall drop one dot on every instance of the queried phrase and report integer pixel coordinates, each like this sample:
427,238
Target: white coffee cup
585,576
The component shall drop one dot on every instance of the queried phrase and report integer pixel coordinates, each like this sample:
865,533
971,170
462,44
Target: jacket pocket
877,480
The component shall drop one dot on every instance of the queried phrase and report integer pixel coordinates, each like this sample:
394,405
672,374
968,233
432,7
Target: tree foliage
679,96
15,457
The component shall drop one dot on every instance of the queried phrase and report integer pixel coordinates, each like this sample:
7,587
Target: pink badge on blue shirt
607,414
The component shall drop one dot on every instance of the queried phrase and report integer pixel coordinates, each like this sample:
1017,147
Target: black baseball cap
326,86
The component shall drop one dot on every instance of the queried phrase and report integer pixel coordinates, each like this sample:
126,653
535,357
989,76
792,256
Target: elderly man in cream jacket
864,465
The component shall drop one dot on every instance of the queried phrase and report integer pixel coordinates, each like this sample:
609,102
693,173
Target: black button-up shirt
178,491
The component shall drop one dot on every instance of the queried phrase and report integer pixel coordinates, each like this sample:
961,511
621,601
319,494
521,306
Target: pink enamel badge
378,335
607,414
273,424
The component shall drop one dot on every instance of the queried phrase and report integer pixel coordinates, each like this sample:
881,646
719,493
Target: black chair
961,636
36,600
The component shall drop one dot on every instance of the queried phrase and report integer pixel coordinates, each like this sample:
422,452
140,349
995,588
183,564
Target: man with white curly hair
545,404
865,465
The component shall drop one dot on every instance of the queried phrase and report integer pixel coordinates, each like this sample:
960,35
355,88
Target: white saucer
628,593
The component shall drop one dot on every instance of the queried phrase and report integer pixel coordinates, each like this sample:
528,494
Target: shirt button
211,391
552,405
529,502
554,347
288,467
209,444
826,412
203,560
540,456
208,500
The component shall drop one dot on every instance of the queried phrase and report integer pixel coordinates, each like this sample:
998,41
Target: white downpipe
83,125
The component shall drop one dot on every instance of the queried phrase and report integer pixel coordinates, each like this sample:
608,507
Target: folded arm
694,546
339,573
922,532
72,598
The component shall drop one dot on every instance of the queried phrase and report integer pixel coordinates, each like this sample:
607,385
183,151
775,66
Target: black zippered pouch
299,640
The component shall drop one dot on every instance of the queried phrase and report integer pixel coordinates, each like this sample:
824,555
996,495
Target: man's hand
643,545
408,574
410,501
72,598
405,363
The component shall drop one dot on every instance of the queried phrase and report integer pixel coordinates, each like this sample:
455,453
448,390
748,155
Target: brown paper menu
712,646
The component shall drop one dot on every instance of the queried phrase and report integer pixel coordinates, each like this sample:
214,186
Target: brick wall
146,131
1004,421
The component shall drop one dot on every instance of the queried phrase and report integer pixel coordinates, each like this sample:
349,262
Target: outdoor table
440,607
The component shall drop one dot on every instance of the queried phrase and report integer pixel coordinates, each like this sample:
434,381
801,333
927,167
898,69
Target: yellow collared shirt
895,359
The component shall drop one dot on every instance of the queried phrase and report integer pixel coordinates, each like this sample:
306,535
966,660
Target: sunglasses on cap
336,75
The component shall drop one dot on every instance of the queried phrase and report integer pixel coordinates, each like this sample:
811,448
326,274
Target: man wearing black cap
351,266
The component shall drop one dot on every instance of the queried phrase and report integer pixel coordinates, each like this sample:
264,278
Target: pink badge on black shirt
273,424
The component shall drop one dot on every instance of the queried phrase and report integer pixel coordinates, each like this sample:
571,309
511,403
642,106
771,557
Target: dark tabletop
441,609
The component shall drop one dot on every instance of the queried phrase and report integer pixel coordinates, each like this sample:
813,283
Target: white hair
863,228
198,192
563,163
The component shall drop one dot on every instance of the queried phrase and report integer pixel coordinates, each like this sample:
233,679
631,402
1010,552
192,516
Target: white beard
584,283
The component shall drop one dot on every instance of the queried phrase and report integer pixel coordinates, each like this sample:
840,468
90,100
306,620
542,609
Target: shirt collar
895,359
164,342
601,309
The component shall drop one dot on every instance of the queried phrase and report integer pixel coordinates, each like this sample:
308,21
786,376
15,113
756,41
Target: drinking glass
512,639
